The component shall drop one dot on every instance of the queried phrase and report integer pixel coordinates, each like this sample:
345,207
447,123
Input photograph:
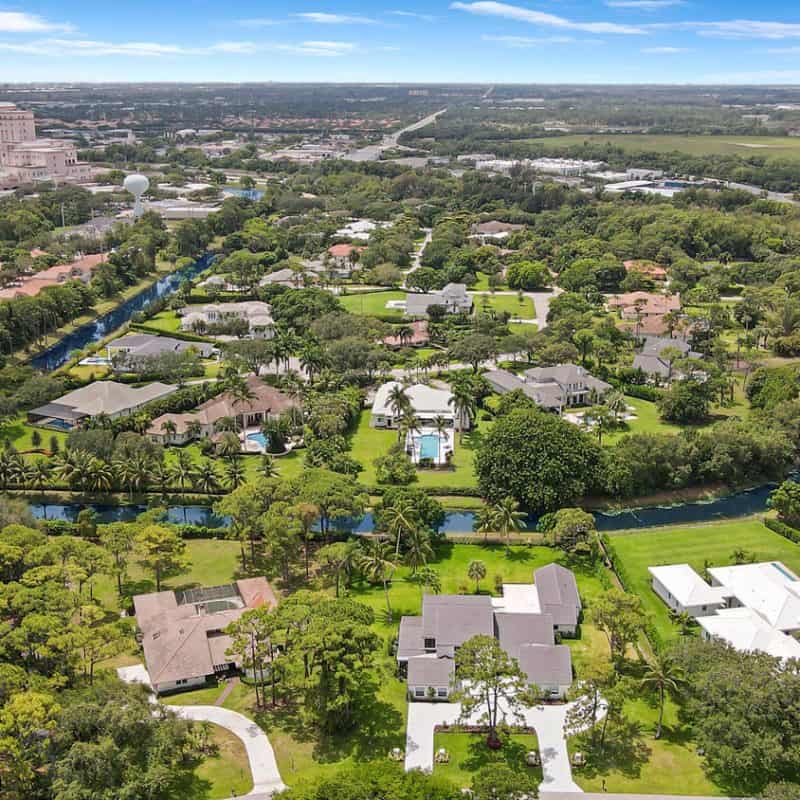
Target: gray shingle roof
452,619
430,671
515,630
558,594
546,665
409,640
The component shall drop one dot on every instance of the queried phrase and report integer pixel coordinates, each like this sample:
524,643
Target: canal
58,355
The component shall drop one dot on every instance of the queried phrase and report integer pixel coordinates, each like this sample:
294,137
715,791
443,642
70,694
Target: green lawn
368,443
372,302
482,284
469,754
506,302
647,421
694,545
167,321
644,765
222,774
19,433
763,146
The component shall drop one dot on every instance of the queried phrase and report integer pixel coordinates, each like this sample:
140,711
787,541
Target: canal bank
98,329
737,505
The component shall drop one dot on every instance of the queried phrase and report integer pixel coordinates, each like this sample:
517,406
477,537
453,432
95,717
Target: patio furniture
442,756
578,760
532,758
396,754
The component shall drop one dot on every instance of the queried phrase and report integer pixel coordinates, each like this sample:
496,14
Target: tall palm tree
408,423
440,425
615,402
100,476
418,549
476,571
429,580
486,521
234,474
400,520
229,446
134,472
377,565
169,428
662,676
41,473
205,477
398,402
268,468
508,517
181,471
464,405
194,429
9,468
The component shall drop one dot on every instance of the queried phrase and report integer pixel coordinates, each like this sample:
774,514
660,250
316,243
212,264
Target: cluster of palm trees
503,517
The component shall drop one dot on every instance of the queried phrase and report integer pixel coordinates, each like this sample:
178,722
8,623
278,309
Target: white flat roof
744,629
770,588
518,598
424,400
686,586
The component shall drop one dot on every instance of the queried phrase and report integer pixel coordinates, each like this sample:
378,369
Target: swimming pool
429,446
784,572
259,438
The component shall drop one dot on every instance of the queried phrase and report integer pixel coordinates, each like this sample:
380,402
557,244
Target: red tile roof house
637,305
182,632
80,270
419,336
343,257
648,268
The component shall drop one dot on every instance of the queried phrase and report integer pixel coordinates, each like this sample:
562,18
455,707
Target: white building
752,607
258,316
427,402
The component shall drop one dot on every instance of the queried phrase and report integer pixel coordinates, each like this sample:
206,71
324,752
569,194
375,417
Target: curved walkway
263,766
546,720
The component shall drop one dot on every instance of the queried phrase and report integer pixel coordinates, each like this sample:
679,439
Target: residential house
258,316
418,337
525,621
427,402
107,398
183,633
651,361
290,278
81,269
551,388
266,402
126,351
454,298
342,258
647,268
494,231
638,305
752,607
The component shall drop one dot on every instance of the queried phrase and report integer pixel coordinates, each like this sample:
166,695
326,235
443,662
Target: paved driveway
263,766
547,721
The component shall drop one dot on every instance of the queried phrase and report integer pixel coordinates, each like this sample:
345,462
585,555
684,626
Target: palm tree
408,423
226,424
99,476
229,446
194,429
464,406
418,549
41,472
181,471
398,402
169,428
400,519
9,468
476,572
377,565
440,425
313,359
486,521
205,477
508,518
662,676
134,472
428,579
234,474
615,402
404,333
268,468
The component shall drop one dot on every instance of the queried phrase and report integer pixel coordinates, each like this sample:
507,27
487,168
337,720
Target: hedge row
782,529
143,327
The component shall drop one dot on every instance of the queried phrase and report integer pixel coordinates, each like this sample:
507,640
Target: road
372,152
416,261
779,197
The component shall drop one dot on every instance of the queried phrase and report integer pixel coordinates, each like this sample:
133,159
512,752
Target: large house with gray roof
651,360
551,388
130,350
526,621
453,298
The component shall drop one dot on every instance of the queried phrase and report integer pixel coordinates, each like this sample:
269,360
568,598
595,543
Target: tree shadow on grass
511,754
624,751
190,785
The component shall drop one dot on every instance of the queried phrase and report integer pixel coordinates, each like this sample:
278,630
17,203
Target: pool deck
416,444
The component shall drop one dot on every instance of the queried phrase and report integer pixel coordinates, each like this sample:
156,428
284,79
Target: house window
419,692
181,681
441,692
430,644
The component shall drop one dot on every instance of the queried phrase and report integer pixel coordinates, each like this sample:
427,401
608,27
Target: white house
744,629
684,591
258,316
427,402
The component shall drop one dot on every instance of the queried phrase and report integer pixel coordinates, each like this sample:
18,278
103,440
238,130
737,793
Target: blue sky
553,41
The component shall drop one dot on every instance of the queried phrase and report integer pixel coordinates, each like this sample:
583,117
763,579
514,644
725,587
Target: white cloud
664,50
91,48
736,29
527,41
413,15
20,22
644,5
324,18
494,9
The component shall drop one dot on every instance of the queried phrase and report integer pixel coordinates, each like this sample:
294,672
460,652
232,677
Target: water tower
137,185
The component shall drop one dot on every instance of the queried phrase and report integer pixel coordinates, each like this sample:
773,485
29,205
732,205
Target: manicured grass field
647,421
714,543
469,754
667,765
167,321
372,302
482,284
368,443
506,302
19,433
765,146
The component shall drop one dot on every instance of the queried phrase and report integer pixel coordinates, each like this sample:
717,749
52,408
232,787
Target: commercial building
26,159
183,633
107,398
